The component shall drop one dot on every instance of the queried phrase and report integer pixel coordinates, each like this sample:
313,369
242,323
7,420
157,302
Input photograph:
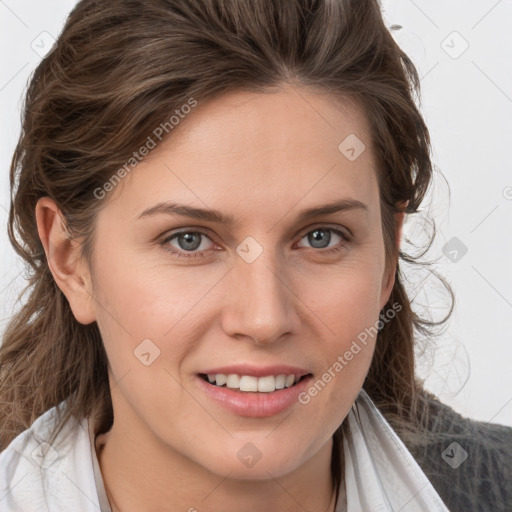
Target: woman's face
272,292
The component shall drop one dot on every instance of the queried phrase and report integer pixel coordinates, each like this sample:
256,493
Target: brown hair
119,68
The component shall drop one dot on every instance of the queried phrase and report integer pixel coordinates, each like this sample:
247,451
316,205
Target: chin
249,464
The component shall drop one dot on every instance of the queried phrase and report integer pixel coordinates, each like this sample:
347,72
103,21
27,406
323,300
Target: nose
261,304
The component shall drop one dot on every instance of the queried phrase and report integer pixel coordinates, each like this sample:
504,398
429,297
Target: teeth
266,384
280,381
233,381
248,383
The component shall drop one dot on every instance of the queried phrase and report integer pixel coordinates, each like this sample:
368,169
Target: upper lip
257,371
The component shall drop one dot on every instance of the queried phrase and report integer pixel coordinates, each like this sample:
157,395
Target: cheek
345,308
346,299
350,311
148,300
150,320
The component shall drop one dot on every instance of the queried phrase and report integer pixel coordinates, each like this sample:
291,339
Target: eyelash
200,254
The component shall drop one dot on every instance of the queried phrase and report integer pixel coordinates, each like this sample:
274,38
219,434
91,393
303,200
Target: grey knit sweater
468,462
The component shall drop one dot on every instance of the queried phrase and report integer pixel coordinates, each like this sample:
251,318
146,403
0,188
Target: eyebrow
169,208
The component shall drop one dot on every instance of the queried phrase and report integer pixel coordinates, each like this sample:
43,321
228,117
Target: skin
262,158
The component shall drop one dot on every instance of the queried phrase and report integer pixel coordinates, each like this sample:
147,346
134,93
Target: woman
211,195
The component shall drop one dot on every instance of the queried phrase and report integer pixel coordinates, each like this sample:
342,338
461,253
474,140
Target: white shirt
380,473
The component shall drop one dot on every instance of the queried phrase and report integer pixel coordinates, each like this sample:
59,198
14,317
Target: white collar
381,475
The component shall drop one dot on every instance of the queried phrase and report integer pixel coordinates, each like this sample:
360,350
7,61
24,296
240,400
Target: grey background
462,51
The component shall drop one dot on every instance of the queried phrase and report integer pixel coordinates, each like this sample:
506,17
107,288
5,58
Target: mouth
252,384
252,396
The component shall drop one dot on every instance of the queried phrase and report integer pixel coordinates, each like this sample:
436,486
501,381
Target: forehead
258,152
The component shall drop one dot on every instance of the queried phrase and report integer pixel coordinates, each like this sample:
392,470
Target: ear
389,279
71,274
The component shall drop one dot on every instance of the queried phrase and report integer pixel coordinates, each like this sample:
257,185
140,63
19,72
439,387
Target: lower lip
254,404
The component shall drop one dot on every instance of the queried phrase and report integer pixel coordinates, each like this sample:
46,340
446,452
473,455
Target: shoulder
468,462
36,475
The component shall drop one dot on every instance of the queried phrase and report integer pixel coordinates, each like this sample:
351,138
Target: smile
250,383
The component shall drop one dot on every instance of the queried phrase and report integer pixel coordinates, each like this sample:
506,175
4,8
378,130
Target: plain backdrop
462,52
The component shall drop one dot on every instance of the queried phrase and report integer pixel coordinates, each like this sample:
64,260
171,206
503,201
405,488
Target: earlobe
71,274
